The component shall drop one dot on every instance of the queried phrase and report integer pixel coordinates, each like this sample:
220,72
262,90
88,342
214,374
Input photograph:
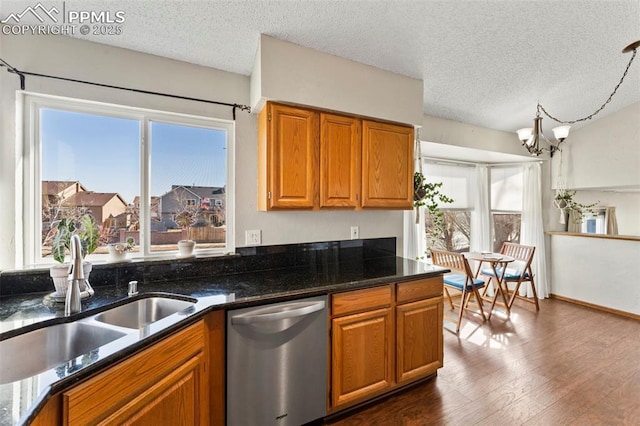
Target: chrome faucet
72,303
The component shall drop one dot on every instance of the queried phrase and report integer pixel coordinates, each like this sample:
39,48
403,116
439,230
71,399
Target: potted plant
118,251
428,195
185,220
87,229
566,204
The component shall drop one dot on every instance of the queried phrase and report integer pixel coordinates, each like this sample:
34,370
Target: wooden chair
518,272
461,279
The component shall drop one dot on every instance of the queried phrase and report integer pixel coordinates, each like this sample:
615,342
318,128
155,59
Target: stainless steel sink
34,352
142,312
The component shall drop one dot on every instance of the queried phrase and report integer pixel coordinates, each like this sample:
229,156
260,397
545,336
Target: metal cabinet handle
291,310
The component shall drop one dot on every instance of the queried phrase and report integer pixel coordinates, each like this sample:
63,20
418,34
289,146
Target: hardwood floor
564,365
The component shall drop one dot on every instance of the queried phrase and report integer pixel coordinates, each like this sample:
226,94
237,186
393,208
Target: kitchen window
506,205
134,170
458,183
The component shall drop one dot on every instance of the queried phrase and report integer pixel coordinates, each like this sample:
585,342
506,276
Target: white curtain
532,231
481,217
415,241
612,221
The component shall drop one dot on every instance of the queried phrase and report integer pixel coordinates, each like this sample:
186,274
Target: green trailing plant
86,228
428,194
564,201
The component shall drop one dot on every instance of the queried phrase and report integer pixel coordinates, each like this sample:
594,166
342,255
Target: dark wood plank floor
565,365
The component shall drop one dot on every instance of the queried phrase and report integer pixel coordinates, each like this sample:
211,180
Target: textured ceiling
483,62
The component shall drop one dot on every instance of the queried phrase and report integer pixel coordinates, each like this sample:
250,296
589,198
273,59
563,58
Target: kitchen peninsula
256,276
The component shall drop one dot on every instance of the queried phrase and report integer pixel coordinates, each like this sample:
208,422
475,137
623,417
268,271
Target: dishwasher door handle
291,310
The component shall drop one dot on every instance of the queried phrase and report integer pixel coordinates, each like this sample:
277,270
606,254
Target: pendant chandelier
531,136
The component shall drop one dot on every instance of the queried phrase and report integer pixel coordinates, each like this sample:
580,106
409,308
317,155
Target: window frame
469,210
29,221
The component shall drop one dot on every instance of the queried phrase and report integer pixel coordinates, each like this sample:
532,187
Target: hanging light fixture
531,136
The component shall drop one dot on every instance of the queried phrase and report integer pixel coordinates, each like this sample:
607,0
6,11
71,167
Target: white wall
441,130
84,60
599,271
604,153
288,72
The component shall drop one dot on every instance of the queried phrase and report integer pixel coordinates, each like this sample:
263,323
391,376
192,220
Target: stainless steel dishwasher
277,363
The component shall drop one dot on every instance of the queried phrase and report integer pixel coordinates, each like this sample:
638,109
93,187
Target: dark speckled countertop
21,400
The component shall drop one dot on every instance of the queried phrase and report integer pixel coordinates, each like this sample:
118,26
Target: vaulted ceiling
482,62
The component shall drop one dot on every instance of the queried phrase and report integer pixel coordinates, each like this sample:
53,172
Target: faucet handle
133,288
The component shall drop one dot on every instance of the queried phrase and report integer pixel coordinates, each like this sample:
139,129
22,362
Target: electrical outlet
253,237
355,232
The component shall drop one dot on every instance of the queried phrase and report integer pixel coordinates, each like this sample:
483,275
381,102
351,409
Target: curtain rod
471,163
22,75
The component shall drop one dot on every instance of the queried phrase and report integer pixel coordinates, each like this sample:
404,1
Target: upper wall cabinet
287,158
310,160
340,147
387,165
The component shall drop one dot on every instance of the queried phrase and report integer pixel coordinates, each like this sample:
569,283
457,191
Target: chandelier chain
589,117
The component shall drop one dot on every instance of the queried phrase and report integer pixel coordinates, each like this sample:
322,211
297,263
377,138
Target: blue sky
103,153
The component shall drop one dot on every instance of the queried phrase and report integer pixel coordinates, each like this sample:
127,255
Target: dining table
498,263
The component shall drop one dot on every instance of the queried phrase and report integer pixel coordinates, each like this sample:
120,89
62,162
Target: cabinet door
387,165
419,339
291,147
170,376
171,401
362,356
340,142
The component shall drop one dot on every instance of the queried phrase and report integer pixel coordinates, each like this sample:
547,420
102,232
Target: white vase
117,252
186,248
60,275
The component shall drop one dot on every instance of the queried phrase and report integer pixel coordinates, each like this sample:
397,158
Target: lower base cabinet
419,347
165,384
383,338
177,381
362,355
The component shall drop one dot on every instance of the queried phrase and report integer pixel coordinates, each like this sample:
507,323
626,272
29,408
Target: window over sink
134,170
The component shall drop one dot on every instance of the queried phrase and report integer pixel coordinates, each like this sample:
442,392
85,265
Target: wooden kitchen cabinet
179,381
419,314
387,165
165,384
310,159
362,345
340,158
288,149
383,338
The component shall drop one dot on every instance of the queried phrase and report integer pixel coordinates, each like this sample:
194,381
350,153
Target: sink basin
142,312
39,350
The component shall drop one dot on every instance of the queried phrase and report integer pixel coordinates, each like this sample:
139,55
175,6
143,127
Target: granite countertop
21,400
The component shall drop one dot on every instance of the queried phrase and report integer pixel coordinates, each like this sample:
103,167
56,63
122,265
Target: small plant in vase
118,251
185,220
87,229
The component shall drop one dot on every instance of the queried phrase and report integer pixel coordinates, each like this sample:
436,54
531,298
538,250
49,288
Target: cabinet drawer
360,300
420,289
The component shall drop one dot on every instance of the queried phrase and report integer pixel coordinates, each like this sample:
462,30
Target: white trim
28,156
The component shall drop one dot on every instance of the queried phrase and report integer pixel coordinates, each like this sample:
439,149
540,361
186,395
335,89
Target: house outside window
88,157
